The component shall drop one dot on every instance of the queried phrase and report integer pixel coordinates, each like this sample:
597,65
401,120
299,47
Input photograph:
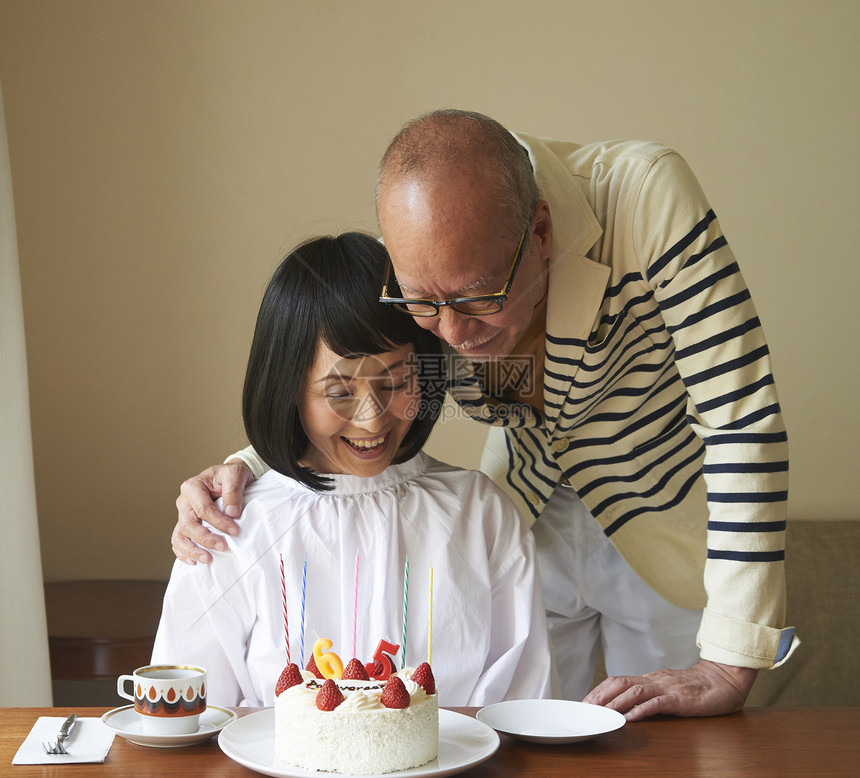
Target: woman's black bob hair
328,288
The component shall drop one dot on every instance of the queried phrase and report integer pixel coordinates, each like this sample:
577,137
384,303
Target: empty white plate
550,721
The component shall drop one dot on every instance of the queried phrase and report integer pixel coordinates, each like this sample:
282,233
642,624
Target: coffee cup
168,698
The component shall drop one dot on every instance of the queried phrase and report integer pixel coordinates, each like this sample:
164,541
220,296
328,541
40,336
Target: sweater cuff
742,644
247,455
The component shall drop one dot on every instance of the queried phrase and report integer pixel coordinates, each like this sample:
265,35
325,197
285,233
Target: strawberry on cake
355,724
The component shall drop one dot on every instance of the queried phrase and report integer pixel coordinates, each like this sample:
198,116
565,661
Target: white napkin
90,742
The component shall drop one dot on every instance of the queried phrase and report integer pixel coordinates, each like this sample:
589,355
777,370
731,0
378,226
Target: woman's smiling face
356,411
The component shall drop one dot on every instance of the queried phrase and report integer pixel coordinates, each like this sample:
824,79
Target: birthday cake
356,723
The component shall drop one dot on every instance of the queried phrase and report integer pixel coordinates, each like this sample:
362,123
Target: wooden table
756,742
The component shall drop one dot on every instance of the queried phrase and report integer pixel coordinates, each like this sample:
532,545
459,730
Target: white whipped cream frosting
358,695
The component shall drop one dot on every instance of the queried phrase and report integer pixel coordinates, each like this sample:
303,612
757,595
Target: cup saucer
126,723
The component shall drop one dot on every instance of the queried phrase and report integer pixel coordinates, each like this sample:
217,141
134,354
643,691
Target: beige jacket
660,405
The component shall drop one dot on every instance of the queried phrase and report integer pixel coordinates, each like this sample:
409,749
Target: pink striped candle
355,604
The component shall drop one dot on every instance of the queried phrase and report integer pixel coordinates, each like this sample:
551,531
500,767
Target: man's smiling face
448,237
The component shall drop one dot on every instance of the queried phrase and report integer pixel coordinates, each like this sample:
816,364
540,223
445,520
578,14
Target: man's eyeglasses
481,305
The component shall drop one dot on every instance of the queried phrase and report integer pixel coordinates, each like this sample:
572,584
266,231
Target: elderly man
598,321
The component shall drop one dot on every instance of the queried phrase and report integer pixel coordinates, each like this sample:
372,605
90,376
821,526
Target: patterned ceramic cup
168,698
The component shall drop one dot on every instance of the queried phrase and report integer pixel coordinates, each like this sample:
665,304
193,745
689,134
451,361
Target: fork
54,748
57,746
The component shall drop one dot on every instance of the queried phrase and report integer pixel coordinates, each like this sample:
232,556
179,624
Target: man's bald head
455,196
442,145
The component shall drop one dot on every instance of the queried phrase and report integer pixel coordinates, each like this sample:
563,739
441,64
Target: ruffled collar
392,476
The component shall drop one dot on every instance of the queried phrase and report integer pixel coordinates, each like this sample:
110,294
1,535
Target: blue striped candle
405,602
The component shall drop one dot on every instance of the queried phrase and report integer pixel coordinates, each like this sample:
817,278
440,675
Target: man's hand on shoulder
195,505
705,689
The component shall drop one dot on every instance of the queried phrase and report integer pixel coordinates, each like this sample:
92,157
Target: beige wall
165,153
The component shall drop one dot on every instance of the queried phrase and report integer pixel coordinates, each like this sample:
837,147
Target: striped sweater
659,402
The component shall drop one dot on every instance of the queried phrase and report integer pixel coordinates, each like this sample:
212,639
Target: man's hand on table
705,689
195,504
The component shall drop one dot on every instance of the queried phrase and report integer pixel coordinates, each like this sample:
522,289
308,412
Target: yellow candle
328,663
430,623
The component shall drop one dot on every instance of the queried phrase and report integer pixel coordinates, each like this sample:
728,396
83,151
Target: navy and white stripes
661,410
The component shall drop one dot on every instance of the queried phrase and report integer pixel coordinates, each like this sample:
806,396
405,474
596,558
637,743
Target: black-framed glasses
480,305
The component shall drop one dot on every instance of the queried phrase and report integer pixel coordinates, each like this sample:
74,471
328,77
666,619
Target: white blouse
488,637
